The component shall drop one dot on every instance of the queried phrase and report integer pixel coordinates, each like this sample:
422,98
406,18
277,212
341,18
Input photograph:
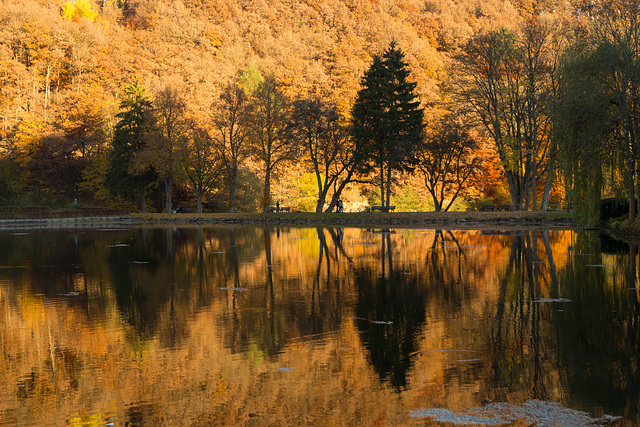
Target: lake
317,326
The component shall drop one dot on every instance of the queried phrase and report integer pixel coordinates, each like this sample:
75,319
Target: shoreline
450,220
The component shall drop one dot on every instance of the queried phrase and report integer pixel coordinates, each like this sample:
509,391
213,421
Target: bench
382,208
280,209
491,208
556,207
23,209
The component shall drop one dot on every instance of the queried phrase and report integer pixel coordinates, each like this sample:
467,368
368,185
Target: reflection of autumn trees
193,325
600,334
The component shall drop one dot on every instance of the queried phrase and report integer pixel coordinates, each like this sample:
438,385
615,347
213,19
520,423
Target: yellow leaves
75,10
213,36
28,139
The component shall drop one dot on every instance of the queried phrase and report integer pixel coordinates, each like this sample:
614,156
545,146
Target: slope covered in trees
64,66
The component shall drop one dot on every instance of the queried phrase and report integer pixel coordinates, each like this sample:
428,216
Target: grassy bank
451,220
624,230
459,219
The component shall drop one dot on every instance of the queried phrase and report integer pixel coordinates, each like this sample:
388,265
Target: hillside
63,66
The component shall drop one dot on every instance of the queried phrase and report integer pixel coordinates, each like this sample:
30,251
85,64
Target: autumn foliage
64,68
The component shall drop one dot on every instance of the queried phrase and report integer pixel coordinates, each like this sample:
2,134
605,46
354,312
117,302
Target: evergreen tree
135,122
387,120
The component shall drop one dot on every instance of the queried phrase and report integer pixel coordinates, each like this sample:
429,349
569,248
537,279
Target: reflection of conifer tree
133,299
396,298
201,271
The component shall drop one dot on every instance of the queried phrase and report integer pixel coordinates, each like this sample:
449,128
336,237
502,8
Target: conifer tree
387,119
135,121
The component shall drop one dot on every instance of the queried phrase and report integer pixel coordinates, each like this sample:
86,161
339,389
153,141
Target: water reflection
330,325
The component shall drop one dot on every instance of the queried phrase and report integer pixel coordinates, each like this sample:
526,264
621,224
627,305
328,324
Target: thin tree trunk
632,189
381,184
143,203
267,189
388,185
47,87
551,171
232,195
168,186
534,194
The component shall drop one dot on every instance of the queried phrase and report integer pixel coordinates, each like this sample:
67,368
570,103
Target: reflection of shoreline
449,220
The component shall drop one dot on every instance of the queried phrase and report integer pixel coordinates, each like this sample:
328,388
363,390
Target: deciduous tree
599,111
447,161
160,144
265,124
230,136
504,81
325,137
199,161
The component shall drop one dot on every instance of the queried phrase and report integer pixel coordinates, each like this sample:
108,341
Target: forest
236,105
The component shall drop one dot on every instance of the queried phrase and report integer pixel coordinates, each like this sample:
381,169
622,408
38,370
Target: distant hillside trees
387,121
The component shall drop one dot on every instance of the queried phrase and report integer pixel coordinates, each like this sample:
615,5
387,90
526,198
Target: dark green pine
387,118
135,121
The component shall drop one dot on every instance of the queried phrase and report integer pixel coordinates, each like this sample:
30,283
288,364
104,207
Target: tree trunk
233,179
143,203
199,194
338,191
551,171
534,194
513,192
266,196
388,183
168,186
632,190
232,195
321,192
381,184
47,87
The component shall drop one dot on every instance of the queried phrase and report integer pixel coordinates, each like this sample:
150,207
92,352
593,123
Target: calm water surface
312,326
